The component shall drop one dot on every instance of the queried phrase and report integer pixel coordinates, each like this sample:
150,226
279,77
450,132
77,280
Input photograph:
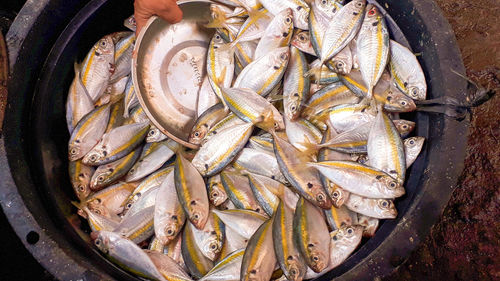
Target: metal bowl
169,65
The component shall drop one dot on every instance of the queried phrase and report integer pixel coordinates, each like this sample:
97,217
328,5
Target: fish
412,146
264,73
238,190
220,65
116,116
372,47
295,86
221,149
339,217
259,259
404,127
216,193
116,144
346,116
147,199
375,208
109,201
331,95
245,52
304,180
243,222
88,132
288,255
169,217
98,66
262,143
78,103
210,239
108,173
191,191
151,162
277,34
311,235
300,10
80,175
126,254
343,27
406,71
386,149
229,121
253,28
342,243
228,269
351,141
369,224
123,57
98,222
322,13
197,264
168,267
360,179
205,122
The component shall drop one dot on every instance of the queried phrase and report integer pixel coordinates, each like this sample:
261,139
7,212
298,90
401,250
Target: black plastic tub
35,193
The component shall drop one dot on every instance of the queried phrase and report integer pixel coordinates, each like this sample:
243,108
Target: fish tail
315,72
254,15
310,148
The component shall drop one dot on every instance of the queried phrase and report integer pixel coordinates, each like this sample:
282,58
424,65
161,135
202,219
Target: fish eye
288,20
100,178
215,194
412,142
293,271
323,2
129,205
335,194
217,37
197,134
213,246
97,242
404,103
384,204
393,184
73,151
340,64
93,157
97,211
315,258
276,125
320,197
359,4
103,43
350,230
196,216
81,188
293,107
170,232
151,133
302,37
284,56
405,126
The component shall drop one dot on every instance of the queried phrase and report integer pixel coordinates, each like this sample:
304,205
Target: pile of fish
301,152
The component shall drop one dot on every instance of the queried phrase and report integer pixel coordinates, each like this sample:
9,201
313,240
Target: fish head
341,65
404,127
373,13
328,7
198,134
105,46
386,208
169,231
295,267
293,106
101,241
100,210
318,258
212,246
301,40
414,143
216,193
100,178
337,194
285,24
281,57
320,198
75,150
82,189
134,198
152,135
197,215
301,16
218,39
391,185
93,157
416,92
346,236
396,101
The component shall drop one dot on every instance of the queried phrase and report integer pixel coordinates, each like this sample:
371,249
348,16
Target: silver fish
300,10
168,267
126,254
137,227
153,161
406,71
277,34
259,162
375,208
244,222
295,86
123,57
79,103
108,173
413,146
227,269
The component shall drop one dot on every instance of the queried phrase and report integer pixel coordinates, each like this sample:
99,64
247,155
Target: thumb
170,12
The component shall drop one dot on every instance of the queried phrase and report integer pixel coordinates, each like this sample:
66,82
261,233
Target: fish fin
315,72
254,15
266,120
311,148
274,97
218,19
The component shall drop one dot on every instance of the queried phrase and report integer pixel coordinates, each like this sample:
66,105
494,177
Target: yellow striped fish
109,173
123,57
227,269
80,175
197,264
372,47
259,259
191,191
137,227
295,86
265,197
205,122
310,232
238,190
288,255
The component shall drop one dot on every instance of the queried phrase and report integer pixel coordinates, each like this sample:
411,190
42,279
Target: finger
171,12
141,17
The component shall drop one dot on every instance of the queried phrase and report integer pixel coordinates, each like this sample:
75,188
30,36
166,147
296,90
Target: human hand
166,9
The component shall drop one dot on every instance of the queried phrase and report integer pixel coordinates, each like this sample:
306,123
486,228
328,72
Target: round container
35,192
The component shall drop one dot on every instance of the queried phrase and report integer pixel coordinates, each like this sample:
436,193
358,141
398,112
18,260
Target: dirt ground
464,244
